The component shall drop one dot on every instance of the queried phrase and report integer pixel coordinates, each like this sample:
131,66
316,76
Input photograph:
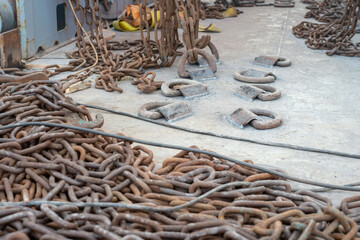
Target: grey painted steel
7,15
38,24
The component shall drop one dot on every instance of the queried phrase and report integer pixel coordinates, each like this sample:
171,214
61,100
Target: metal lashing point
242,116
270,93
270,61
261,124
255,76
182,72
202,43
75,120
170,111
202,74
262,92
284,3
248,92
187,88
150,110
283,62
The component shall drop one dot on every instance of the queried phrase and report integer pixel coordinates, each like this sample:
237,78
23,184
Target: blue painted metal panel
37,22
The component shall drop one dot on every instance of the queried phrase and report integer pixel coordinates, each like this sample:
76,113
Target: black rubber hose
326,189
162,145
266,143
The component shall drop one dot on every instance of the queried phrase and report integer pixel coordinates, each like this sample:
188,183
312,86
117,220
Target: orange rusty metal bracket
10,54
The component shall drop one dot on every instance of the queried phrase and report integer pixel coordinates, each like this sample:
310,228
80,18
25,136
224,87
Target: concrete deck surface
319,104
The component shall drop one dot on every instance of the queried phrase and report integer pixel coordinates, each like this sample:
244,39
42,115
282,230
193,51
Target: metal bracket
194,90
10,53
271,61
256,73
284,3
242,116
184,87
248,92
262,92
267,61
175,111
202,74
254,76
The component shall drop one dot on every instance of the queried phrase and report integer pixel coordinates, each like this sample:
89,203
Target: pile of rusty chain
215,11
111,67
49,71
58,164
166,34
190,10
138,55
327,11
186,14
146,83
336,36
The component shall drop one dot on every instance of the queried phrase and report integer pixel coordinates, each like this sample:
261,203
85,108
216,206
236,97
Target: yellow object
230,12
210,28
127,27
124,26
153,18
127,78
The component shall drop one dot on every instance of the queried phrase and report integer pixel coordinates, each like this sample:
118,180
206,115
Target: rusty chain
326,11
62,165
138,55
216,10
146,83
57,164
189,14
335,36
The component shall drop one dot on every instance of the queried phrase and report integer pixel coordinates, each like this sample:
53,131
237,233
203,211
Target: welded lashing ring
145,110
266,124
267,78
270,94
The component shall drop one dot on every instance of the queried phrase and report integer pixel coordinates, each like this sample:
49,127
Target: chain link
335,36
138,55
